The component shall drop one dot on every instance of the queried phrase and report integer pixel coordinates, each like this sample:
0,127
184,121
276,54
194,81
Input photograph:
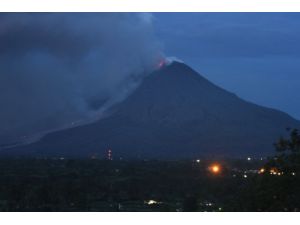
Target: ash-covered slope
174,113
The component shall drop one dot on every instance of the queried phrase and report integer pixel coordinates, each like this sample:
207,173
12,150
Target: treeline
102,185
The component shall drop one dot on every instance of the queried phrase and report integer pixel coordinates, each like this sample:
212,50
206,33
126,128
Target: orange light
262,170
215,168
274,171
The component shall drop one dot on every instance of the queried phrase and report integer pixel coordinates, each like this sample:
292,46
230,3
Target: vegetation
103,185
278,187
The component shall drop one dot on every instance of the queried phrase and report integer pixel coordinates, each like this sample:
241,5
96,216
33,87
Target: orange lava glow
161,63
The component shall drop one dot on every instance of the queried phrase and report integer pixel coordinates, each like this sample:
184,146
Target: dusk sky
255,55
55,66
126,106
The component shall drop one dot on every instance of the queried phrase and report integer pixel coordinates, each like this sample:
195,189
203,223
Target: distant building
109,154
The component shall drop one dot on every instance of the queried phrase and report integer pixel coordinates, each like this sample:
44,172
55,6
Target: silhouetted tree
288,157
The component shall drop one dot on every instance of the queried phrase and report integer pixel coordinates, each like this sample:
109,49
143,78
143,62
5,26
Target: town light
274,171
215,168
262,170
152,202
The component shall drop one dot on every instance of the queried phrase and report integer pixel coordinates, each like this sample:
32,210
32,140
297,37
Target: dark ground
118,185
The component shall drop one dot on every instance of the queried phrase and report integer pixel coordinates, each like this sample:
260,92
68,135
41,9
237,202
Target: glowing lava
161,63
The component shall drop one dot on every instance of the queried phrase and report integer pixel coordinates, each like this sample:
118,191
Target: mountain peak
176,68
174,113
175,71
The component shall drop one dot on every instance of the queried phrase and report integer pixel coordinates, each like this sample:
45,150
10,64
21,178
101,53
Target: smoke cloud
57,68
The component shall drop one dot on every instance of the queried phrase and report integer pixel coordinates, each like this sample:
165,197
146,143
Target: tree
291,145
278,191
288,157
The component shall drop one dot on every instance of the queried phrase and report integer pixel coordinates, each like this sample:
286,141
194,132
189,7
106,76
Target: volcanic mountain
174,113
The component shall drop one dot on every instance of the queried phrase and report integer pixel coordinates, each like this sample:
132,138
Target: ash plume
57,68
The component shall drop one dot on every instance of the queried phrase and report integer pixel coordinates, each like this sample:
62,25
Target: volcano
174,113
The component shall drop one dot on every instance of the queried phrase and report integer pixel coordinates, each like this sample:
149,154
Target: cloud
56,68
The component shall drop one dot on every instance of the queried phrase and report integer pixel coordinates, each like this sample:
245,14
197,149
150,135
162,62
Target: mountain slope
174,113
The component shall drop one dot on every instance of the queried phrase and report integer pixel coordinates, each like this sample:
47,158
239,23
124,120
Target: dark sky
255,55
57,68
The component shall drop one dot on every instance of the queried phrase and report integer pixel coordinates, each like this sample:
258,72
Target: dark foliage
101,185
